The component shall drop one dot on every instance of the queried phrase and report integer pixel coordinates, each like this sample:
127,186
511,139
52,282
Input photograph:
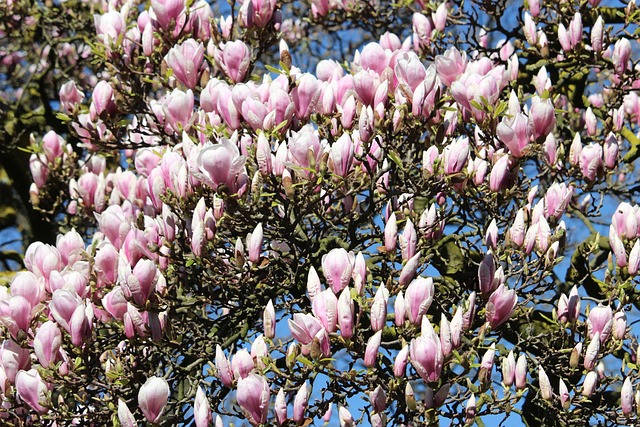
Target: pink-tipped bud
408,241
280,407
269,320
201,409
371,351
470,410
545,385
486,273
378,399
345,417
391,234
509,369
597,35
591,355
223,367
418,298
346,313
563,391
521,372
378,313
621,55
491,236
300,403
626,397
254,244
125,416
400,363
325,308
337,267
619,329
590,384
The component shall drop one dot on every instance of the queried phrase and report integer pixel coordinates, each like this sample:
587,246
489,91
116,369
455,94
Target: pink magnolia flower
223,367
325,308
400,363
33,390
374,57
337,267
418,298
234,58
626,397
280,407
486,273
306,329
600,321
110,27
167,12
27,285
125,416
597,35
46,343
371,351
621,55
451,65
253,396
515,133
185,60
455,155
300,403
346,313
426,353
70,96
242,364
152,398
341,155
305,150
542,117
591,161
378,314
256,13
177,110
509,369
102,98
221,164
501,305
13,358
306,95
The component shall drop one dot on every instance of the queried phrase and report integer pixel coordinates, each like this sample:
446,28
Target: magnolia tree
436,226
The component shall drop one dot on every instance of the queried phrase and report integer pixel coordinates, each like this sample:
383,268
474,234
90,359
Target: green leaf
273,69
395,158
305,361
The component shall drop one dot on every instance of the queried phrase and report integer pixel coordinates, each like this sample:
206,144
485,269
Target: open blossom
234,58
185,60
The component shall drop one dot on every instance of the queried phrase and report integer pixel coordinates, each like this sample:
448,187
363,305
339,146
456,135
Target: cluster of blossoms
197,184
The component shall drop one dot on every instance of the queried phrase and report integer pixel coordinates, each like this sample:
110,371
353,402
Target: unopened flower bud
590,383
521,372
545,386
626,397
